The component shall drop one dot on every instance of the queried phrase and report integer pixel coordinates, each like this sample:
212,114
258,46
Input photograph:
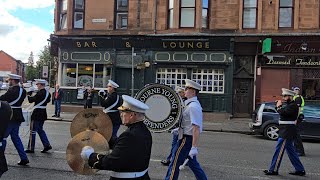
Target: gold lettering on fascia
290,49
86,44
303,62
186,45
128,44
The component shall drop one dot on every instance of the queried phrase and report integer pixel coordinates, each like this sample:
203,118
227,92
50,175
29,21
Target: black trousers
3,162
88,103
298,141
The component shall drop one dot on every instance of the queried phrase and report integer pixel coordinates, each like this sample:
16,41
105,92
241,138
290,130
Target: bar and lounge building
214,42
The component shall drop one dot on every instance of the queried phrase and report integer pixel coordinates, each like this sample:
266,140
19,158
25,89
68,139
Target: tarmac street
222,156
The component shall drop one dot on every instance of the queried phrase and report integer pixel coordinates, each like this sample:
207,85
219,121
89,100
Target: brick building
8,64
215,42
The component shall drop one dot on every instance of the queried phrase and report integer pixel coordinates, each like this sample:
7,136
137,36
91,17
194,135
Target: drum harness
15,101
109,109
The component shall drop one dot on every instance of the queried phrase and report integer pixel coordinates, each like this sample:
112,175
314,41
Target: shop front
292,62
92,61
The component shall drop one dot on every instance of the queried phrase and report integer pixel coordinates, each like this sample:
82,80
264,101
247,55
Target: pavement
212,121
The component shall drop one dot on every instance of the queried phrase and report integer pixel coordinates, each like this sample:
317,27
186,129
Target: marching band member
6,115
39,115
111,101
131,151
287,133
190,128
15,97
174,132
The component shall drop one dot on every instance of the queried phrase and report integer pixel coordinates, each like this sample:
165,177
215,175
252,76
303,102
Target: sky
25,26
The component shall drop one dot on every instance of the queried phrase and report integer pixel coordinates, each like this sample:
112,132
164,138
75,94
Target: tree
31,73
45,59
30,59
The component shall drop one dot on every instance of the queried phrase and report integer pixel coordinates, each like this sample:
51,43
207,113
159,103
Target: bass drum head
165,106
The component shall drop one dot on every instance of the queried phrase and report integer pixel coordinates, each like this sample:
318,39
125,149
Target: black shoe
165,162
58,115
54,116
267,172
23,162
298,173
29,151
301,154
46,149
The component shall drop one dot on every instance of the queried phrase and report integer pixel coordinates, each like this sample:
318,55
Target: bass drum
165,106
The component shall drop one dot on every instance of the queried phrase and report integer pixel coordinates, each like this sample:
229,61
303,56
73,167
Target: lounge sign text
185,44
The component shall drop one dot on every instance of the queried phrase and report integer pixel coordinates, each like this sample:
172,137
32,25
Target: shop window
187,13
101,76
211,80
63,14
249,14
162,56
85,75
205,14
69,75
171,77
286,13
170,13
78,14
180,56
311,89
121,14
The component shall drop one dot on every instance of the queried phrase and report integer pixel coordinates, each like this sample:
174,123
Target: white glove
102,92
86,152
193,152
175,131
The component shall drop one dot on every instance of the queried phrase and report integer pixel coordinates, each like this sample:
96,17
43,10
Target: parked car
265,121
5,86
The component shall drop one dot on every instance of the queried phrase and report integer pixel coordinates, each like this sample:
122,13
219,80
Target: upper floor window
249,14
205,14
63,7
121,14
170,13
78,14
187,13
286,13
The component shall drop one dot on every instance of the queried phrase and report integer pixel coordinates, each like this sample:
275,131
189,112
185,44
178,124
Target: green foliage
31,73
45,59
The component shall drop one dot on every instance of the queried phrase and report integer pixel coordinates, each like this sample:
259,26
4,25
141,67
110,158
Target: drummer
131,151
111,101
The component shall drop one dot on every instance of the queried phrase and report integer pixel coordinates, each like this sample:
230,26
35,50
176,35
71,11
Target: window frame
292,14
256,20
205,72
62,14
180,13
169,72
208,15
75,11
94,72
169,11
120,11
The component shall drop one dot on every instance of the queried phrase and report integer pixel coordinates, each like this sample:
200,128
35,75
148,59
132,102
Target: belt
16,107
40,107
109,111
287,122
128,174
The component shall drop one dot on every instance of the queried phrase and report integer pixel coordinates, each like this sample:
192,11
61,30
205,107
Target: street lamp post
132,72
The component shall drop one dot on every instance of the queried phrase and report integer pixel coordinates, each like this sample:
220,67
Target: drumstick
184,164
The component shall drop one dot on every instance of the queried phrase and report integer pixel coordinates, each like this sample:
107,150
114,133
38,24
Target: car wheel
271,132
